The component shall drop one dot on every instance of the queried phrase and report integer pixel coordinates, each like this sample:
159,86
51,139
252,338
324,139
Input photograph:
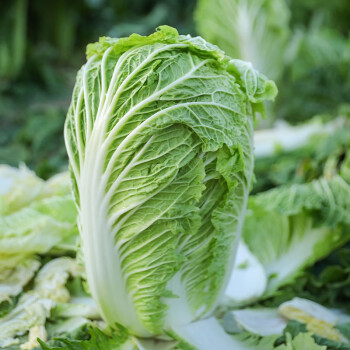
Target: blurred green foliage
327,282
322,155
317,80
42,45
302,44
333,14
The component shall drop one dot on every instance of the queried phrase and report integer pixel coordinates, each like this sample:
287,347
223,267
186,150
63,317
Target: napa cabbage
256,31
159,138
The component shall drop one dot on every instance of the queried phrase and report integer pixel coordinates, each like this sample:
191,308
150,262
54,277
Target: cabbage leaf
36,217
291,227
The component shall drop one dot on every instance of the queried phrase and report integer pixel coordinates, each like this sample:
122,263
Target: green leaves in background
256,31
13,38
41,46
35,137
317,79
303,45
301,154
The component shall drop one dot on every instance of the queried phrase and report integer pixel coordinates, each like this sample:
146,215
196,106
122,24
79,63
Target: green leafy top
256,85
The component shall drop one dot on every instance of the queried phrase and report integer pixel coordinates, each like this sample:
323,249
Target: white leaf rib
136,205
149,99
116,183
110,102
71,156
87,123
212,176
210,194
210,160
112,84
148,121
77,125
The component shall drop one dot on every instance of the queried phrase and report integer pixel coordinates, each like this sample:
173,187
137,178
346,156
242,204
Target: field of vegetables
175,175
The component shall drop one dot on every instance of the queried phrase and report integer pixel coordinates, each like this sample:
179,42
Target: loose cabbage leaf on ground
159,136
38,224
43,309
327,282
37,217
290,227
20,187
289,154
320,150
294,324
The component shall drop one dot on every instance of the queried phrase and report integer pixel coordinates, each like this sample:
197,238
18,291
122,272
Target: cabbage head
253,30
159,137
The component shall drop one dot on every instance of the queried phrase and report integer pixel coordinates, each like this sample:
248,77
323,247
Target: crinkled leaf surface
159,140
